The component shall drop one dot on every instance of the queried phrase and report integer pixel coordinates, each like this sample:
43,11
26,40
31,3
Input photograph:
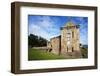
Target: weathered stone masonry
68,42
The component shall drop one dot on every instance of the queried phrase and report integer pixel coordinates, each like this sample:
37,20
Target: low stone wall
41,48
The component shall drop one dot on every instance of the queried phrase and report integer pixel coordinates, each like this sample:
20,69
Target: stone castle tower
70,38
68,42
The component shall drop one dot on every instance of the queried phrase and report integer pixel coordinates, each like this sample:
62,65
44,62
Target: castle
67,43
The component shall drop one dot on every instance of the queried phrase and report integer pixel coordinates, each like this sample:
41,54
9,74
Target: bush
84,52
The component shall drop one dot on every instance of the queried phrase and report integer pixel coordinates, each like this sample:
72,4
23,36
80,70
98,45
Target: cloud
44,27
49,26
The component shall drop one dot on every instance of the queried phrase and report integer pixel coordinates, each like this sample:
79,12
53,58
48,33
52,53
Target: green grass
34,54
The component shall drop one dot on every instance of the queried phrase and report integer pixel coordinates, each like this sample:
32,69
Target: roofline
55,37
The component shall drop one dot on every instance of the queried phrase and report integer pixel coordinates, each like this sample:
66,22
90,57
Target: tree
36,41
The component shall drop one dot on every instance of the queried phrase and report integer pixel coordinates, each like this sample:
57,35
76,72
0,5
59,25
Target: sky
49,26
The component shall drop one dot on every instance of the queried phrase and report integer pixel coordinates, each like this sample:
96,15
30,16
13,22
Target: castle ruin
68,43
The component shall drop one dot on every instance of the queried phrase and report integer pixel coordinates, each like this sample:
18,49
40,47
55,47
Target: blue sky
49,26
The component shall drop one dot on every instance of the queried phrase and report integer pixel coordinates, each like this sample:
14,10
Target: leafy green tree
36,41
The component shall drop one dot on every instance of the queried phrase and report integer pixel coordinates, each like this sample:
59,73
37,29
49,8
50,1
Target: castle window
69,33
68,42
68,38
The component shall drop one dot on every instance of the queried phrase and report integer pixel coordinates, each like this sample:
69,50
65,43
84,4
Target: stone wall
55,42
63,41
59,45
74,40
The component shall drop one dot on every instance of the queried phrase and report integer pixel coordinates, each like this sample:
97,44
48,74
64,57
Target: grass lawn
34,54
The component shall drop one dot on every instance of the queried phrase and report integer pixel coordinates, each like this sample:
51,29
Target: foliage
84,51
36,41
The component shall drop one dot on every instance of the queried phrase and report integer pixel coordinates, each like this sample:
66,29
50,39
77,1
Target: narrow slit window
72,34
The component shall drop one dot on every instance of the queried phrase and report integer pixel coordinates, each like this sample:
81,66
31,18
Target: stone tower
70,39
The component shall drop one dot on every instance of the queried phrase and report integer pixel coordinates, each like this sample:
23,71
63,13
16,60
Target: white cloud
45,28
46,22
36,30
